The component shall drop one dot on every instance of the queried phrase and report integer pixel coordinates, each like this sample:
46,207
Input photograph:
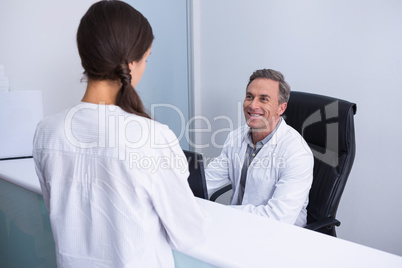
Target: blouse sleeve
37,157
173,200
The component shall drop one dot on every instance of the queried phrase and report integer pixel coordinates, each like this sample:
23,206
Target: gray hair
284,88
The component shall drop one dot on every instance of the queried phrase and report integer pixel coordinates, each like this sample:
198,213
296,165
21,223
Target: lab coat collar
273,141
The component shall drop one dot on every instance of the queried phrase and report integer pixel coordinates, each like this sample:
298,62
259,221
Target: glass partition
25,235
26,239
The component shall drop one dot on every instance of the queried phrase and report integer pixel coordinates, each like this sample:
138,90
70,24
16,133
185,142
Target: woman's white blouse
115,185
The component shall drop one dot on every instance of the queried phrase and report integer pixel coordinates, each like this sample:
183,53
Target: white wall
346,49
38,49
165,80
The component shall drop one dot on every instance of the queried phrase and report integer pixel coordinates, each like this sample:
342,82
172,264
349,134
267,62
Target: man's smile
254,115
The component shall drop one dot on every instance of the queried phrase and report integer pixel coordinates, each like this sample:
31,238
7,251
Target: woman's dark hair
112,34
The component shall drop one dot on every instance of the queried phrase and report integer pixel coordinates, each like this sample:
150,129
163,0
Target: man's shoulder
290,137
285,128
237,134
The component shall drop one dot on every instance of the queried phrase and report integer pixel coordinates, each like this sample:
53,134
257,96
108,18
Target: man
268,163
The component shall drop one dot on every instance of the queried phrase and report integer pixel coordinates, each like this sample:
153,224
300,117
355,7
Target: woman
114,181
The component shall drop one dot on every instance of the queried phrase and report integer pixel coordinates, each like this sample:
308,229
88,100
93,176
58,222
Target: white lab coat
115,185
278,179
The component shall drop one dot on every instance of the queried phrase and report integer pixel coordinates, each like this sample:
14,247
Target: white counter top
239,239
21,172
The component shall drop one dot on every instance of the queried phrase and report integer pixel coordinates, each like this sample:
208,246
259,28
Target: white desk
239,239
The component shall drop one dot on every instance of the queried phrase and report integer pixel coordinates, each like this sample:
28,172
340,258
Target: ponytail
128,98
110,34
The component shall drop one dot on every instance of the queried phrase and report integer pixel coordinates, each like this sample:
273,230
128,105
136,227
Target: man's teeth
254,114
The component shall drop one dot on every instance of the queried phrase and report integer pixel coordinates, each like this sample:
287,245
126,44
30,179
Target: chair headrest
323,121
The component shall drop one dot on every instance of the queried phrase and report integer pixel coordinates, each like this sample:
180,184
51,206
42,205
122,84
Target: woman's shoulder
53,121
145,130
164,136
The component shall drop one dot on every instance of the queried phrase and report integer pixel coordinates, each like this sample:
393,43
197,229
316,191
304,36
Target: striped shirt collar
249,137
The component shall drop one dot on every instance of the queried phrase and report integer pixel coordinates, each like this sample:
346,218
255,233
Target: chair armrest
221,191
328,222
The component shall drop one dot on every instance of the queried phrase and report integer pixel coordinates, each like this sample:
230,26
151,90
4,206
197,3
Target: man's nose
253,104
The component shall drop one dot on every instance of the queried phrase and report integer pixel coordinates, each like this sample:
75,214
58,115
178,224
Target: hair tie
123,72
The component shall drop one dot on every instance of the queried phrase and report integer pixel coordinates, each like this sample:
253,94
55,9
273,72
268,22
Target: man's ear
282,107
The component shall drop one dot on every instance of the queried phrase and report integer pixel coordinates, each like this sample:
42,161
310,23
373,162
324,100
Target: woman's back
115,185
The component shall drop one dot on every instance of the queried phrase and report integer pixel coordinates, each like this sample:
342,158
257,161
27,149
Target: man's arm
291,191
217,171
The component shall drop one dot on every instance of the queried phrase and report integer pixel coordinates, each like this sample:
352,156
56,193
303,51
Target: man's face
261,106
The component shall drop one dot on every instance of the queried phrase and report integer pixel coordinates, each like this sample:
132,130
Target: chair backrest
327,125
196,180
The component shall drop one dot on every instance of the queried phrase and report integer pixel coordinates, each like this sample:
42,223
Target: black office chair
196,180
327,125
